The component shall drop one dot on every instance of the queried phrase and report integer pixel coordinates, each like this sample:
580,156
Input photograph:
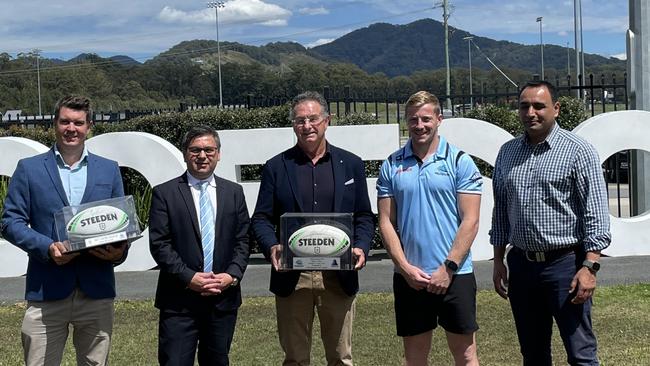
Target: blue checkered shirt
550,196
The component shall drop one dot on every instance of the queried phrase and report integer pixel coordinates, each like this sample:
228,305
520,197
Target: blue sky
144,28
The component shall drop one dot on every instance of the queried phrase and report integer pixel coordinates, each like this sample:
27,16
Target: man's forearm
464,239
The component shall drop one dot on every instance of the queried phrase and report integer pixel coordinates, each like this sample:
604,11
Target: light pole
445,16
216,5
37,53
469,56
568,58
541,43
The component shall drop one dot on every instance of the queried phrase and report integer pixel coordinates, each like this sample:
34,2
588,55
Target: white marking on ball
319,240
98,220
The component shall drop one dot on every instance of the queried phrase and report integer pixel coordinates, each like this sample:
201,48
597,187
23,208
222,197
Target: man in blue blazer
313,176
62,288
198,232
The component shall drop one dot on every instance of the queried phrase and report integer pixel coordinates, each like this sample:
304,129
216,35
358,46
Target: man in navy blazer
62,288
313,176
198,232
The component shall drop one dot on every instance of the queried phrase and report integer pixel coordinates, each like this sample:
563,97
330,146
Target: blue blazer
35,194
175,244
279,194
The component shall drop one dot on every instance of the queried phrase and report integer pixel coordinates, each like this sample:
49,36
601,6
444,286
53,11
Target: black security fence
599,94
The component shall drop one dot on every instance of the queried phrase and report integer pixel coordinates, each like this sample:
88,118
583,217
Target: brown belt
546,256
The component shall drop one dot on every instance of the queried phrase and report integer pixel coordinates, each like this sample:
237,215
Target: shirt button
315,202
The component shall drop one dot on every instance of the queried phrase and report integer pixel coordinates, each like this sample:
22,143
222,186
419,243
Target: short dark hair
309,96
74,102
198,131
538,83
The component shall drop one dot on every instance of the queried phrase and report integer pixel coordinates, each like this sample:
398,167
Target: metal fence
598,95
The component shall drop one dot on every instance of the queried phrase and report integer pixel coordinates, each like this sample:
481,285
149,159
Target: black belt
545,256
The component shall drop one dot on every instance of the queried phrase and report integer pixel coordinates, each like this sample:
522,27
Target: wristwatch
453,266
592,266
235,281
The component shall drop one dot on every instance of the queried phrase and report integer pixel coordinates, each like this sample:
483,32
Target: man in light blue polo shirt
429,195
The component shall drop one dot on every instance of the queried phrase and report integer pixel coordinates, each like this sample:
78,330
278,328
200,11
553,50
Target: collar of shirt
302,158
196,183
441,151
62,164
550,140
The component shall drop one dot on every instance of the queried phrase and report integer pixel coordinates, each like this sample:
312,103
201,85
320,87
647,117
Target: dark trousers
539,293
179,333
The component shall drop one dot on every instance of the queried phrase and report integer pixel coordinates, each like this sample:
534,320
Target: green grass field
620,319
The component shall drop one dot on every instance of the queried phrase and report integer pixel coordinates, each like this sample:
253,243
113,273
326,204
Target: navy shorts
419,311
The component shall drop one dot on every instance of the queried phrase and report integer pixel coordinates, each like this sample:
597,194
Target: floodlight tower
217,5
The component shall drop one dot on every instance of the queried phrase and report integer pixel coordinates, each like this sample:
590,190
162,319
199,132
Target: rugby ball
98,220
319,240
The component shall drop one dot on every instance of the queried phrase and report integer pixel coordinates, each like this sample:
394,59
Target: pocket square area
349,182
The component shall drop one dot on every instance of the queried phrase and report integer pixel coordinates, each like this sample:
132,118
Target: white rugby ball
98,220
319,240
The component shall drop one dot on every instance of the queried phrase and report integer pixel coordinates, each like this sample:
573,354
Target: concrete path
376,277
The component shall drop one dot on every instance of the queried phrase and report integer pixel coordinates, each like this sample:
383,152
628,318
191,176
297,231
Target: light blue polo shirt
426,200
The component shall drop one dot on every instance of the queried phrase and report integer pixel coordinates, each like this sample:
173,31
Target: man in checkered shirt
550,205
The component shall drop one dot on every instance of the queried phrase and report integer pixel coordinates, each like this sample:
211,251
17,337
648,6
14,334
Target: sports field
620,319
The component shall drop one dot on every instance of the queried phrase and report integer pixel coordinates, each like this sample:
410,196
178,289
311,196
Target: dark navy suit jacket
175,244
279,193
35,194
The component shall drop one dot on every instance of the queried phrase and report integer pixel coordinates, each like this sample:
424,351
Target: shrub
500,116
361,118
572,112
172,126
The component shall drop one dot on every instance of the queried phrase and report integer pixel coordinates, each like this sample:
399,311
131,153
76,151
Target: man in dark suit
198,232
313,176
62,288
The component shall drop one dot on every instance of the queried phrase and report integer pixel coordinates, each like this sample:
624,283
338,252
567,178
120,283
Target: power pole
469,57
37,53
577,35
541,44
445,16
568,62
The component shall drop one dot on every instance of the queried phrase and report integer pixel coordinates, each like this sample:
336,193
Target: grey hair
309,96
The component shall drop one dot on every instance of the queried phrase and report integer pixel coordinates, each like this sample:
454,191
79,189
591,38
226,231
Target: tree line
166,83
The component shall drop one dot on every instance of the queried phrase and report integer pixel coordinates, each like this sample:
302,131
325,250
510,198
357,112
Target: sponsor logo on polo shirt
402,169
442,170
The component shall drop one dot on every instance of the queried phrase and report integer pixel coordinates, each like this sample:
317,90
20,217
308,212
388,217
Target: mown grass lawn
620,318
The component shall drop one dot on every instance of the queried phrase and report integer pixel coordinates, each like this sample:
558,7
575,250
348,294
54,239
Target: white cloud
620,56
319,42
172,15
313,11
234,12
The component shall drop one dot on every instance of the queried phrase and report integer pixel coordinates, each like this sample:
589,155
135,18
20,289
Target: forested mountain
403,49
379,61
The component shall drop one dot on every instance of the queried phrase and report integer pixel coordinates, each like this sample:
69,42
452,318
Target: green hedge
172,127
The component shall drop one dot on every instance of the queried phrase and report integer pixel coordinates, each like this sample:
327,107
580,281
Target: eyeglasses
313,120
425,119
209,150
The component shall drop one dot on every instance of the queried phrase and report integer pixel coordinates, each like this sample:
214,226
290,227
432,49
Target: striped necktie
207,227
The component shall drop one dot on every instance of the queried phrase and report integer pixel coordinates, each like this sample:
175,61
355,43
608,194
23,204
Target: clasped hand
209,284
